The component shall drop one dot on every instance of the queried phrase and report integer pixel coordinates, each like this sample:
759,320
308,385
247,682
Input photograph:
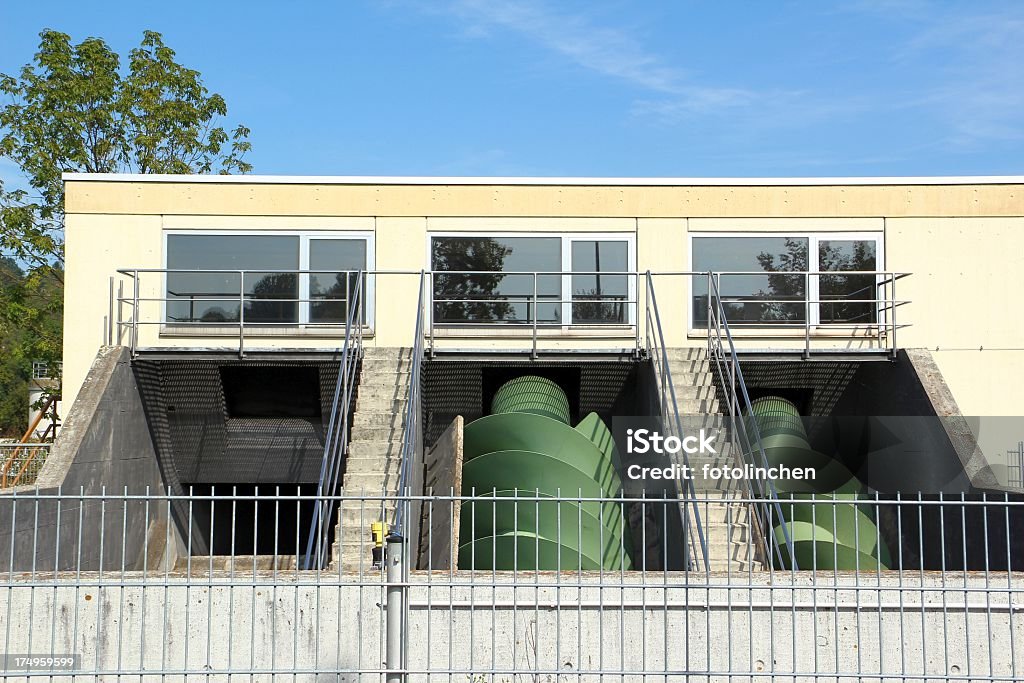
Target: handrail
656,348
336,437
411,429
731,377
608,314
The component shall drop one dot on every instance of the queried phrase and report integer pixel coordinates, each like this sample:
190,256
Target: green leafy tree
76,108
14,367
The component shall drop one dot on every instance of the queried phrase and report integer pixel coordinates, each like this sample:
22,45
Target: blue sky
537,87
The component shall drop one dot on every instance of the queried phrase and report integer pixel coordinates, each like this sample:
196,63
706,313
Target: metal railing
20,463
336,437
412,431
536,305
869,311
284,311
565,311
725,363
695,542
113,585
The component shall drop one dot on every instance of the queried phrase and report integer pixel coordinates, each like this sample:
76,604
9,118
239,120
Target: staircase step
371,483
382,389
378,419
368,433
386,352
375,449
693,391
686,352
696,406
689,366
370,465
364,404
354,557
357,514
384,379
681,377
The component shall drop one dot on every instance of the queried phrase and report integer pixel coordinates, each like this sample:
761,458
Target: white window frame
304,238
814,238
566,265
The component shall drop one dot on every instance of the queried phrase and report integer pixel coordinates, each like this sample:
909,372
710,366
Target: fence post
395,639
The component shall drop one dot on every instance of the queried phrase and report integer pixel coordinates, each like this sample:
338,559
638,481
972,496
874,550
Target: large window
215,292
762,278
559,279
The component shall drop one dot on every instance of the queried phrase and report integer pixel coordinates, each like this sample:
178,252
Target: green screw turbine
527,448
837,535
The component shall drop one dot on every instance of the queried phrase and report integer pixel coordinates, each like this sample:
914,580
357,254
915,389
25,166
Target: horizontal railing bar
949,500
681,273
691,581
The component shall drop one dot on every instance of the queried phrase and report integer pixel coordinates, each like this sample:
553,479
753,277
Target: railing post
429,296
120,311
135,313
395,638
636,311
710,276
892,294
807,315
110,312
647,311
241,314
533,354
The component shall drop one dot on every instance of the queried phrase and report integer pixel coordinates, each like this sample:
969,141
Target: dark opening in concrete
245,524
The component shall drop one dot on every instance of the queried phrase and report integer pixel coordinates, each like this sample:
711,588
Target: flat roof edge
538,181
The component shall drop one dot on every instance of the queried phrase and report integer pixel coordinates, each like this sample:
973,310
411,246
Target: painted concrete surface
882,625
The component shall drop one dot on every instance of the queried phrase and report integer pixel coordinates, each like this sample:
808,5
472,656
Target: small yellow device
378,530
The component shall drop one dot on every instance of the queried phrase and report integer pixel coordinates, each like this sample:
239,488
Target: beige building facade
826,265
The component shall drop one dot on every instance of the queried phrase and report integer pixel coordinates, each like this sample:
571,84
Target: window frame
813,237
566,239
304,235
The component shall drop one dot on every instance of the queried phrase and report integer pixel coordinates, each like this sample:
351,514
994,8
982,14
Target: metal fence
112,586
20,463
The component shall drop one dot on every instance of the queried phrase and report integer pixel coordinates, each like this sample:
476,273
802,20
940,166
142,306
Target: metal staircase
337,436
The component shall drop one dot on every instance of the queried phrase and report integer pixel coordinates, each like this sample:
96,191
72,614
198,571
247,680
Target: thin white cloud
984,91
611,52
973,63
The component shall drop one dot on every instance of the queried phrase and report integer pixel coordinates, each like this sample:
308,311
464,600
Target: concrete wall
104,446
961,241
778,624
